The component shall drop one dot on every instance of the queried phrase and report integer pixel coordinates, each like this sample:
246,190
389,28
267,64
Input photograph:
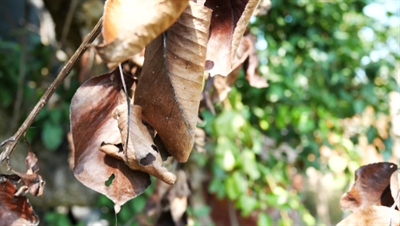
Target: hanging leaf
228,24
129,25
31,181
31,162
174,202
246,58
372,216
15,210
370,183
250,66
141,154
91,125
170,86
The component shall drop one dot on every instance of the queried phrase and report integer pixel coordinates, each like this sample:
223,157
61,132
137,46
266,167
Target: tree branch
11,142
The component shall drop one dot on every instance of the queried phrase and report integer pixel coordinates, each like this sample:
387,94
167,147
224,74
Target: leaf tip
117,208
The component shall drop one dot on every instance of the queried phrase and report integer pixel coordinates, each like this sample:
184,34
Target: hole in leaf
110,180
155,148
147,160
120,147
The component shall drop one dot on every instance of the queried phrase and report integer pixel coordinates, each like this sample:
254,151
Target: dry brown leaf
178,196
129,25
395,185
223,84
91,125
370,183
372,216
246,58
173,202
251,65
31,162
15,210
228,24
142,154
32,182
169,88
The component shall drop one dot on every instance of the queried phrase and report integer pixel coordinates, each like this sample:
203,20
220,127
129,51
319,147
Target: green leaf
55,115
138,203
52,218
230,188
264,220
250,165
52,135
247,204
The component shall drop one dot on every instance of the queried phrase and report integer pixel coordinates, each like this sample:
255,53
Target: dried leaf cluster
374,197
120,138
15,208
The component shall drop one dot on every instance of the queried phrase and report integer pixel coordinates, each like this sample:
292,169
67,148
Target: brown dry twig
11,142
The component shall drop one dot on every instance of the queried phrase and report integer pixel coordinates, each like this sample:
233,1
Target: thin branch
11,142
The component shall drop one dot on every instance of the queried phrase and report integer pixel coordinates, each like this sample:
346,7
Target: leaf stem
11,142
128,102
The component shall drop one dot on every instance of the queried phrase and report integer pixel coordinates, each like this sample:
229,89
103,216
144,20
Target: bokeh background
281,155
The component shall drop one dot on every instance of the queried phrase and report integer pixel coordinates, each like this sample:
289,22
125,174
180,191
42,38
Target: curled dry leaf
174,202
178,197
31,162
32,182
228,24
129,25
395,186
170,86
92,124
251,65
370,183
372,216
246,58
141,154
15,210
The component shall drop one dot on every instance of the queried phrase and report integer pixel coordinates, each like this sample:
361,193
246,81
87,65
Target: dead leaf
246,58
141,154
228,24
251,65
91,125
32,182
174,202
31,162
15,210
370,183
372,216
178,196
129,25
169,88
395,185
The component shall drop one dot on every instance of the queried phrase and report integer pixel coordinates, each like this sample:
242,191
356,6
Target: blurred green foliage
318,57
325,61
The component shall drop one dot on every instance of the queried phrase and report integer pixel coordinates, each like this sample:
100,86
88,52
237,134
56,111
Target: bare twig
11,142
